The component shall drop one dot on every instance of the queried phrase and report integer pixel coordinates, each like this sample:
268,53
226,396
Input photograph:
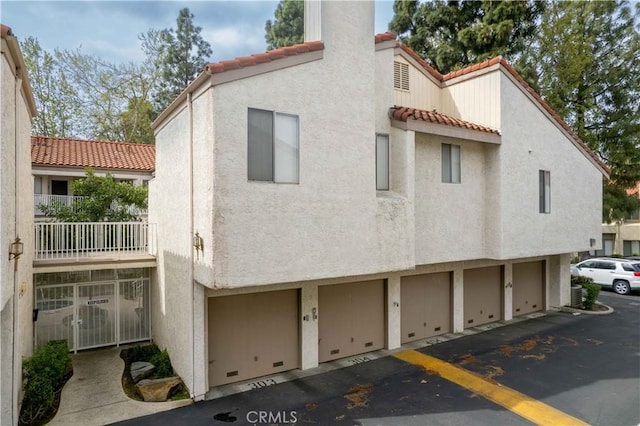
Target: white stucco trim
449,131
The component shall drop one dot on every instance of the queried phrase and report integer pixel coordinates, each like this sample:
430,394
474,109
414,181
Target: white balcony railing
49,199
93,239
69,200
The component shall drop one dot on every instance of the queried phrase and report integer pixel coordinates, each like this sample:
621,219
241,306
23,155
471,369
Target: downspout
14,411
191,234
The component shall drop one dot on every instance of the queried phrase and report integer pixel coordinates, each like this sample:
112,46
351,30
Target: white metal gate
90,315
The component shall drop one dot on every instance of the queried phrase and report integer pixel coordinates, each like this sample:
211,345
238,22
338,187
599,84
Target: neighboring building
622,237
17,107
57,162
92,280
341,196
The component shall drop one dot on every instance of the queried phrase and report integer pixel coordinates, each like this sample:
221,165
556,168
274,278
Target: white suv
620,274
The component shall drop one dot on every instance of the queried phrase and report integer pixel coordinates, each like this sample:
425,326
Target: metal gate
90,315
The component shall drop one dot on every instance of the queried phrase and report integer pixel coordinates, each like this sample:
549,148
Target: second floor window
382,162
545,191
273,146
451,163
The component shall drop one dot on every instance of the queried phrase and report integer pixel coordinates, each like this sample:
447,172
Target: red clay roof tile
68,152
261,58
404,114
4,31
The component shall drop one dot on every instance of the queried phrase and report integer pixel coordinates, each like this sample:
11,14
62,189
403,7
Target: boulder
141,370
157,390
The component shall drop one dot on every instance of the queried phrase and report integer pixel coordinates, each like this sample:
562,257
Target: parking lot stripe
514,401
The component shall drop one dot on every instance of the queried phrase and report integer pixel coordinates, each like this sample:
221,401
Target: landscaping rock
141,370
157,390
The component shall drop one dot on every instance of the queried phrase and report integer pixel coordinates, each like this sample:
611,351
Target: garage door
426,306
351,319
252,335
528,287
482,295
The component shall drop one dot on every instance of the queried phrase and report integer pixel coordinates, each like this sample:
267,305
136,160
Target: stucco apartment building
16,224
341,196
622,237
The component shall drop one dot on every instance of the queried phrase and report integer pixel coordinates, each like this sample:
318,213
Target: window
59,187
37,184
401,76
630,248
382,162
545,191
450,163
273,146
608,241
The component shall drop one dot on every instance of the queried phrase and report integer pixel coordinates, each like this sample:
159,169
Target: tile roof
404,114
68,152
4,31
261,58
283,52
521,81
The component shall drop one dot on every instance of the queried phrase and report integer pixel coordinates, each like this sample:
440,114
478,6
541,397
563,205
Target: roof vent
400,75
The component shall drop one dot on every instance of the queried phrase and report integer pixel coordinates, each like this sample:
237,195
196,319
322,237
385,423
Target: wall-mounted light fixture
16,248
198,242
592,242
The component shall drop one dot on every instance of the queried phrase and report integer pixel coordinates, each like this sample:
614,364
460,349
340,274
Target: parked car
622,275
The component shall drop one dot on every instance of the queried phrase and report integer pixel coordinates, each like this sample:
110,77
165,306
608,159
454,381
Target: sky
110,29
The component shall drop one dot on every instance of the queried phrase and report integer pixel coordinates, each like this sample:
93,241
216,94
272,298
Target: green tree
104,200
183,54
454,34
287,28
56,99
586,60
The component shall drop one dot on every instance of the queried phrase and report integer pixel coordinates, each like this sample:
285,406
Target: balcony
130,244
68,200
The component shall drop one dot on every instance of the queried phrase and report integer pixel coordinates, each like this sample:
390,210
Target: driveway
559,368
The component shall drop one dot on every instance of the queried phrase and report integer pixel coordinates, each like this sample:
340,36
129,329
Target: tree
184,54
288,27
454,34
104,199
586,59
56,99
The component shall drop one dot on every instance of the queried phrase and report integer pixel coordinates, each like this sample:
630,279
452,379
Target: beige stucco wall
16,219
332,223
476,100
450,217
531,142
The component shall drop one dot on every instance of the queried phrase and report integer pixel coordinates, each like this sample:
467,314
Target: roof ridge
74,139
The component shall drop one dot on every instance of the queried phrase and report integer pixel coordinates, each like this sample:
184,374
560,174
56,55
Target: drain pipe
191,235
14,394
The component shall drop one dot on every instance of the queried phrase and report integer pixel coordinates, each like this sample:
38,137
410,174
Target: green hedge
44,374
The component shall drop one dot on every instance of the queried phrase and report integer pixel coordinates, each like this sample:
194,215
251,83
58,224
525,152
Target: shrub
163,364
44,373
592,295
142,353
581,281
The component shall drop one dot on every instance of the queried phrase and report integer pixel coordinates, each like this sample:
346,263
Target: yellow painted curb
520,404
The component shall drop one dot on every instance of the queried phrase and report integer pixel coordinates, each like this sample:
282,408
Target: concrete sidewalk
94,394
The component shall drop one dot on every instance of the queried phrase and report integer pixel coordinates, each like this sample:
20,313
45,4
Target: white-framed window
630,248
382,162
451,163
273,146
544,177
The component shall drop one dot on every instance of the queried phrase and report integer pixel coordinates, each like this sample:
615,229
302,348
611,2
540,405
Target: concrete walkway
94,395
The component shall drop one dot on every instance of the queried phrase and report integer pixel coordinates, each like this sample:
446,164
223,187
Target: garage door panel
528,287
334,322
412,302
426,306
252,335
351,319
482,295
438,304
368,322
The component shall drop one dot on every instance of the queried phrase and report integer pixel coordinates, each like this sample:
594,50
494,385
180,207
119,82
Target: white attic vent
400,76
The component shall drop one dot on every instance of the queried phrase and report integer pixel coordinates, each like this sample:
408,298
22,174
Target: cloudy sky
109,29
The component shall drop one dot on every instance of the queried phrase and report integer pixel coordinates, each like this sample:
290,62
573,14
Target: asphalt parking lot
559,368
